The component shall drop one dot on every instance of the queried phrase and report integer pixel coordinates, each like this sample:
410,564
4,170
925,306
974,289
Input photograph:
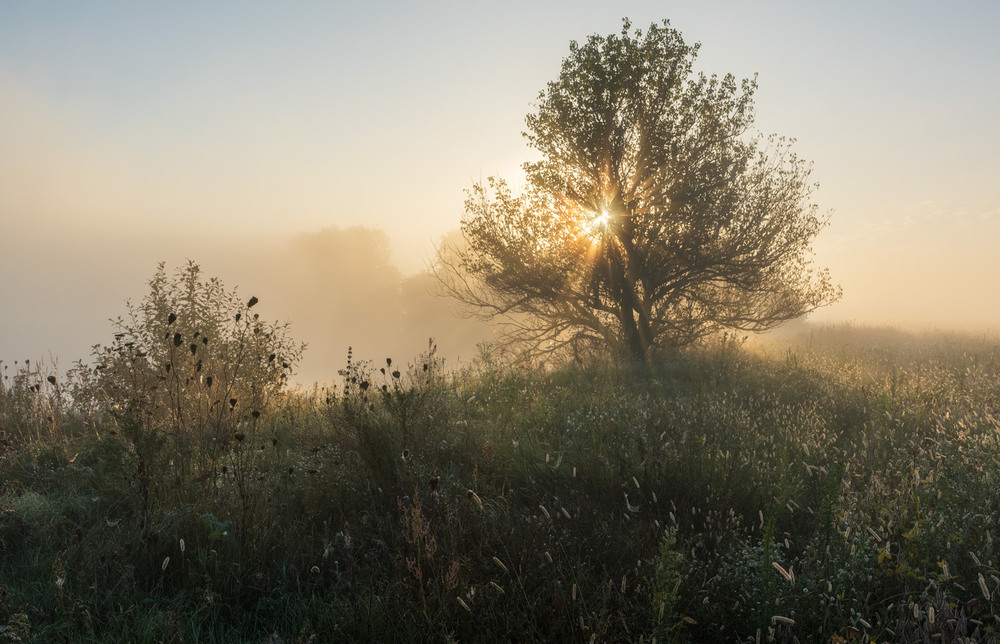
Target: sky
233,133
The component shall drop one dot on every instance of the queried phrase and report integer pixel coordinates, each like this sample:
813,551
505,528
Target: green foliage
843,491
667,578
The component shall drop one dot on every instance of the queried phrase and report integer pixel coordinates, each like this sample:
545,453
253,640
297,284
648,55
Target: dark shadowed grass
834,490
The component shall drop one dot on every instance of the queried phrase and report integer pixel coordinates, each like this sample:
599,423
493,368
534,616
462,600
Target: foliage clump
191,360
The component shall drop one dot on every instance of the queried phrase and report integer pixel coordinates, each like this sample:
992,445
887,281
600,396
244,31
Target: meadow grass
840,487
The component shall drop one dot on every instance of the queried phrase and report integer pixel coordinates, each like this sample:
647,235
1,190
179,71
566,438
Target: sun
597,225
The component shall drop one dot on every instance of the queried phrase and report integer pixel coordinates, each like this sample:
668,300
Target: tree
654,217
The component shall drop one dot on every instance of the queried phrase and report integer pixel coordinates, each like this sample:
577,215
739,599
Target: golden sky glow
131,134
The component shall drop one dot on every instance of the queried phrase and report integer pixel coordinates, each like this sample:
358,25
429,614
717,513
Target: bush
191,372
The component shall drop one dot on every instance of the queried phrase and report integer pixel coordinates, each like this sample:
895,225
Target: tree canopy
656,214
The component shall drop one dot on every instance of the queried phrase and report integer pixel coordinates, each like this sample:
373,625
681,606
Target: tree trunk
637,349
635,344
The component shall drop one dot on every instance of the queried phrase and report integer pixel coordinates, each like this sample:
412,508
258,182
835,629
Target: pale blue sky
148,125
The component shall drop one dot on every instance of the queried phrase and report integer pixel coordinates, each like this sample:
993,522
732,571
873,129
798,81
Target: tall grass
838,488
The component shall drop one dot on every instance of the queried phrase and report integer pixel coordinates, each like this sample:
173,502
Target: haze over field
255,139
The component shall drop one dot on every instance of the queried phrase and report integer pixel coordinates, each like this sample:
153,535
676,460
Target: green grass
847,485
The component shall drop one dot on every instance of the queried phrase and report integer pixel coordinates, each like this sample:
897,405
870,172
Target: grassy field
841,487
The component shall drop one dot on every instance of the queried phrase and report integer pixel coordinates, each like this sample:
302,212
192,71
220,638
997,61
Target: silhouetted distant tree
655,216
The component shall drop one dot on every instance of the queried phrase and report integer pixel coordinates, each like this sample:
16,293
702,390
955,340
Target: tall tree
655,216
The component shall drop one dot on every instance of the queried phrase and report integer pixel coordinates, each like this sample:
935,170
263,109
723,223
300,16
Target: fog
313,157
337,288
